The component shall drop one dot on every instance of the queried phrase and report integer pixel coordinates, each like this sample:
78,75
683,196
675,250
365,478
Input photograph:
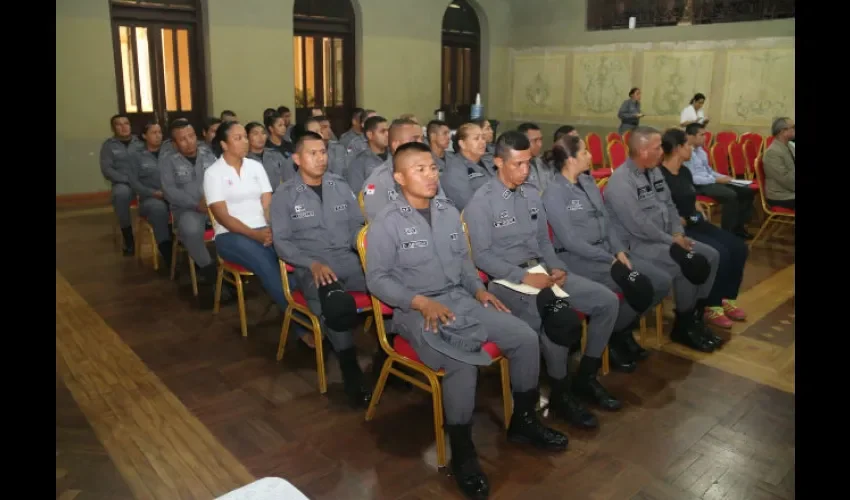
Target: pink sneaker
715,316
732,311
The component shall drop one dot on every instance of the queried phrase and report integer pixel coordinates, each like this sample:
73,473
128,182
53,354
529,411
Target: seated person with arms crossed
315,221
647,222
780,166
720,305
509,234
418,263
585,240
181,168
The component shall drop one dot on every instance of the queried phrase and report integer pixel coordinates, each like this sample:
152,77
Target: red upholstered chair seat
601,173
403,347
782,210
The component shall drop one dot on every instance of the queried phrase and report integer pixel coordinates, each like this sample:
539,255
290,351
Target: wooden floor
158,399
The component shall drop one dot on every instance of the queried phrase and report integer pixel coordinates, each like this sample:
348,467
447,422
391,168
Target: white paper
530,290
740,182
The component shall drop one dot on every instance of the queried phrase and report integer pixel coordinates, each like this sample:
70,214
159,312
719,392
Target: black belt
529,263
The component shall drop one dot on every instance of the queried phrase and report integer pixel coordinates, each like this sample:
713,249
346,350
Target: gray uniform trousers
122,196
591,298
515,339
685,292
346,266
600,272
191,225
156,212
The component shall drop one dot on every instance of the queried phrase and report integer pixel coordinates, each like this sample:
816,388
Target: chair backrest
747,136
752,148
377,305
613,136
616,154
594,145
602,185
768,141
551,232
758,168
360,202
726,137
720,158
738,161
626,137
708,136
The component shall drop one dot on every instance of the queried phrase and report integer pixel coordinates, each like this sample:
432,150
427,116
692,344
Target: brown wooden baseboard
83,200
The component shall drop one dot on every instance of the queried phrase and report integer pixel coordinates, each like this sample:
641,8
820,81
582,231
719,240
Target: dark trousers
733,255
735,201
782,203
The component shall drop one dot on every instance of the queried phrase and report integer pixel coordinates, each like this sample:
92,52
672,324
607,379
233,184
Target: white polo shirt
241,191
689,114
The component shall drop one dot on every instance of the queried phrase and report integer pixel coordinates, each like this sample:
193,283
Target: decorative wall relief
670,80
759,86
538,84
601,82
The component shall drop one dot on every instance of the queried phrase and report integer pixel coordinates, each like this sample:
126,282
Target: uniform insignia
410,231
300,188
340,208
330,183
506,194
505,222
659,185
303,215
410,245
453,236
575,205
392,195
299,208
645,192
504,214
370,189
406,210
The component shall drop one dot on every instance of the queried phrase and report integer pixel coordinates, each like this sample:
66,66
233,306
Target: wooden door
324,78
158,72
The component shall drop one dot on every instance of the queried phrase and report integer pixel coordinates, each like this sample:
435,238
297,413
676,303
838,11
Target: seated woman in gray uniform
278,168
469,168
509,235
647,222
585,240
145,180
417,262
315,220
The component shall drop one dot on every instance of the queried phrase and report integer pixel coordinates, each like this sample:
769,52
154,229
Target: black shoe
165,253
686,334
464,465
619,358
352,379
587,387
565,406
628,342
743,233
702,329
526,427
129,248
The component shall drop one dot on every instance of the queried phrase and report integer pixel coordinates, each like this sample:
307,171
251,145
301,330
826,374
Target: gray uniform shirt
349,135
337,161
356,145
508,228
182,182
361,165
540,174
580,221
144,174
406,256
307,228
277,167
380,189
641,208
462,178
115,158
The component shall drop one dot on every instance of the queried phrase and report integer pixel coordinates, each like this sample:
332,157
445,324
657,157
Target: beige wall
250,67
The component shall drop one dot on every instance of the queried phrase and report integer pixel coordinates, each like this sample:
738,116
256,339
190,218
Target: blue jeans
260,260
733,257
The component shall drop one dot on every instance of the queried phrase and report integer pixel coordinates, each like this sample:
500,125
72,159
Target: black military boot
526,426
129,241
619,357
565,406
685,333
627,339
699,324
464,465
588,388
352,379
165,252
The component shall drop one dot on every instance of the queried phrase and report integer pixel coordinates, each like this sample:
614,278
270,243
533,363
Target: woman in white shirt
695,112
238,192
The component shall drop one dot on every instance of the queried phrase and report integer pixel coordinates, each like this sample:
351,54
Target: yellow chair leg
379,389
439,432
219,282
320,355
643,330
507,398
240,297
606,365
367,324
284,332
659,324
174,252
154,248
194,277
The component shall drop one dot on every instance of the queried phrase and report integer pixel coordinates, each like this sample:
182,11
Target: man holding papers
417,262
734,196
509,238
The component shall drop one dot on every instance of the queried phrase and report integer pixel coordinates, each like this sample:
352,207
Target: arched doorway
323,54
461,61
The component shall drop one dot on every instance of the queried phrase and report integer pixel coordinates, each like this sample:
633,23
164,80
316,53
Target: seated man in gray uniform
585,239
418,263
647,222
509,235
315,220
181,168
115,156
337,161
358,142
380,187
361,164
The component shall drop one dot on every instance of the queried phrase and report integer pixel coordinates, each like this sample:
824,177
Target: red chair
776,216
709,203
708,136
720,158
767,142
626,138
726,137
616,154
594,145
738,162
613,136
233,274
401,353
299,312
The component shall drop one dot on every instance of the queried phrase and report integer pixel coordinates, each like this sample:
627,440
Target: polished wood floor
158,399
